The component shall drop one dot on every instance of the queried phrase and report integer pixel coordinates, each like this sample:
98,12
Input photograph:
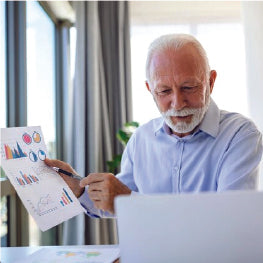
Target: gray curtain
101,102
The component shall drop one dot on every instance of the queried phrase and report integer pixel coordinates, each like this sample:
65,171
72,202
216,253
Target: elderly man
193,147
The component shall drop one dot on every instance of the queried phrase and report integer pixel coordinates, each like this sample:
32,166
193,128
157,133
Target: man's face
180,88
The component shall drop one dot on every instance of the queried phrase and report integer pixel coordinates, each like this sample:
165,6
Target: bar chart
24,179
65,198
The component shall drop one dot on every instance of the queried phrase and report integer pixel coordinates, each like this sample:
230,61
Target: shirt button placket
175,178
177,167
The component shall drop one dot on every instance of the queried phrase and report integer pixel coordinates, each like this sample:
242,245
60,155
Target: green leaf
123,137
115,163
132,124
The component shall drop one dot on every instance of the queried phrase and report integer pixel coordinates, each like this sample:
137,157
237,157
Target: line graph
44,205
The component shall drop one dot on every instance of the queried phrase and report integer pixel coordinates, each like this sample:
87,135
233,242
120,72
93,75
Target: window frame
16,98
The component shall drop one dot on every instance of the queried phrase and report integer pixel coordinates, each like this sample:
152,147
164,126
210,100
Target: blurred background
78,69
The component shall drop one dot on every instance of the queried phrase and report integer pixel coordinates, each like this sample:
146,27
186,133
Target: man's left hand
103,188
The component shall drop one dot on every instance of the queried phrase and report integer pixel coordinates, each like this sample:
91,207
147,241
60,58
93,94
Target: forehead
177,64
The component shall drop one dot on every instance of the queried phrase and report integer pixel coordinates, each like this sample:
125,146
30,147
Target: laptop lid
207,227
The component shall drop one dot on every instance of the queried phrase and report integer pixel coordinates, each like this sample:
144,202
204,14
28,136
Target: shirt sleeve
126,176
239,168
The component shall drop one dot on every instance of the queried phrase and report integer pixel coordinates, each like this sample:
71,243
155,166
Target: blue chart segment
65,198
32,156
26,179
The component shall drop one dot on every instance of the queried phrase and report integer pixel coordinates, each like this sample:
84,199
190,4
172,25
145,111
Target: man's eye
189,88
164,92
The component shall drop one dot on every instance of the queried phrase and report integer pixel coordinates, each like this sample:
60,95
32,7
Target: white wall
253,27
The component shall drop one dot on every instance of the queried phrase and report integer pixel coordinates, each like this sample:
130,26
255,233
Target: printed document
43,192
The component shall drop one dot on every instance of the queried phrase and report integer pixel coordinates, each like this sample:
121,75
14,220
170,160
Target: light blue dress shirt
223,153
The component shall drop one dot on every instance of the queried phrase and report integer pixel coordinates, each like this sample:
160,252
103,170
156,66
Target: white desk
11,254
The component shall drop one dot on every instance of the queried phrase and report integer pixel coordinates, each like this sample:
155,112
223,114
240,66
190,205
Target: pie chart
32,156
36,137
41,155
27,138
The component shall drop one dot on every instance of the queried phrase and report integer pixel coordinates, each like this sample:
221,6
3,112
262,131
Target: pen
59,170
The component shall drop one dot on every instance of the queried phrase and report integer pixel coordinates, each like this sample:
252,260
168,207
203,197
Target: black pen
59,170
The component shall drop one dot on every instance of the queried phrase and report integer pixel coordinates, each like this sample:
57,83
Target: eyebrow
191,81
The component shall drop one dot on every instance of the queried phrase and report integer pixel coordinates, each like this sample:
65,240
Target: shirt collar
209,124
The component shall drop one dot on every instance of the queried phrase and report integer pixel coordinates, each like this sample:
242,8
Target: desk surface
11,254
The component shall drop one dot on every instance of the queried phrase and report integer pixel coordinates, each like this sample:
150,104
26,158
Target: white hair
174,41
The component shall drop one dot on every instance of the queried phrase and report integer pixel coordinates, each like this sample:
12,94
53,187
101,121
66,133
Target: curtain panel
101,102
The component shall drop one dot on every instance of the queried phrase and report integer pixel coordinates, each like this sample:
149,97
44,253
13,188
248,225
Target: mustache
181,113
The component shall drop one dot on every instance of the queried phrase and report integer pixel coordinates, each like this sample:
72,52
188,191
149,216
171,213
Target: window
3,211
2,67
221,34
43,61
41,73
40,83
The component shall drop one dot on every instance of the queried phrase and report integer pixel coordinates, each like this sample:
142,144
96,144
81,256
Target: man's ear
212,79
148,86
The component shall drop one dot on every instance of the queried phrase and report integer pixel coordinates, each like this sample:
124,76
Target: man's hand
71,182
103,188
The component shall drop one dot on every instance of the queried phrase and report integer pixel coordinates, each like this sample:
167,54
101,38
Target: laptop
199,228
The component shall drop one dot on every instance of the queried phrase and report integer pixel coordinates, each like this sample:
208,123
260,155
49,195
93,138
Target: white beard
182,126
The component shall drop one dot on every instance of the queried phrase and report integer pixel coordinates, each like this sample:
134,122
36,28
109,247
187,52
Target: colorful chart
36,137
27,138
65,198
15,153
41,155
93,254
73,255
26,179
44,206
68,254
22,153
32,156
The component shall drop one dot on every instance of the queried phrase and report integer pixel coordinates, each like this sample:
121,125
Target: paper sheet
73,255
43,192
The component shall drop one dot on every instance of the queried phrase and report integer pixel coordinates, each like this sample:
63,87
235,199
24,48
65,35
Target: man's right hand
73,183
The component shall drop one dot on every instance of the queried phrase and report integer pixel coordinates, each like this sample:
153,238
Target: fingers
71,182
103,188
55,163
95,187
59,164
95,178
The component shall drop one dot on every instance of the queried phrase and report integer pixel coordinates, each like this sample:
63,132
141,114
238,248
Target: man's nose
178,100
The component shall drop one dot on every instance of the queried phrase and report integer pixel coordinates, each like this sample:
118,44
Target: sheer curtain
101,102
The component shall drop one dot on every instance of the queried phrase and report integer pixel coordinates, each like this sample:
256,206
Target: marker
59,170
